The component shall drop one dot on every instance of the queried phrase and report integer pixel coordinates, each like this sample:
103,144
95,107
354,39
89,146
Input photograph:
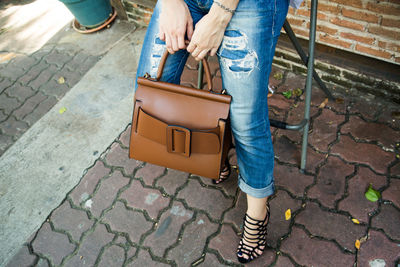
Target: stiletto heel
224,174
256,241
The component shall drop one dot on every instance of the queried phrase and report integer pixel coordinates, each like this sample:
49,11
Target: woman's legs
245,56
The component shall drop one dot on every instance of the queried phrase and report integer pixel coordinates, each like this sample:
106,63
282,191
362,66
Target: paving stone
5,142
276,76
127,221
12,71
283,262
329,225
340,105
295,116
22,258
392,193
229,186
42,263
58,57
21,92
112,256
324,130
144,259
4,84
378,249
356,203
292,82
192,64
88,64
131,252
366,108
286,151
125,137
279,102
88,183
53,245
33,73
150,200
210,200
73,221
369,154
211,260
314,252
118,157
168,228
388,220
71,77
369,131
149,173
226,243
213,63
40,110
395,170
91,247
172,180
331,182
236,214
3,116
43,77
193,241
291,179
106,194
278,225
55,89
189,78
29,105
12,127
387,115
8,104
217,84
317,96
76,61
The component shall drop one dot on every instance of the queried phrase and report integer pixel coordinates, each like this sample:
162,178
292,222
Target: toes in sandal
224,174
254,238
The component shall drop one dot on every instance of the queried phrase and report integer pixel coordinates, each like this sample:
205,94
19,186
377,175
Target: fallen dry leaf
62,110
288,214
323,104
357,244
61,80
355,221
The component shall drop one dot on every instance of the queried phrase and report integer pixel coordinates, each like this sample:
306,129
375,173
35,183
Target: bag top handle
205,65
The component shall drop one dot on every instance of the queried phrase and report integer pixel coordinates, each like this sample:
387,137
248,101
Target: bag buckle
173,132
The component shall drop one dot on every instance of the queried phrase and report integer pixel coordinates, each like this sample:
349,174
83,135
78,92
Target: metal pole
310,69
200,76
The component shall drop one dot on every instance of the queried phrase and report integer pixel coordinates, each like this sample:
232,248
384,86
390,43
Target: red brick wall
366,27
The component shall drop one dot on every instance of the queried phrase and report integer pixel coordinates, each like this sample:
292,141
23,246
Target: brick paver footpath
129,213
30,85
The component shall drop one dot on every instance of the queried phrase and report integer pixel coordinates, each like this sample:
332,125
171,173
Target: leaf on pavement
372,195
288,214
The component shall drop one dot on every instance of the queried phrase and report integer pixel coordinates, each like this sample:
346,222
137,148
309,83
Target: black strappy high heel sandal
224,174
255,242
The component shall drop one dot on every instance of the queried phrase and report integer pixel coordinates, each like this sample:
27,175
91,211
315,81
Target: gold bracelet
224,7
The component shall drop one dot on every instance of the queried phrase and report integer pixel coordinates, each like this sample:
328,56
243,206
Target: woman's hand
175,23
209,31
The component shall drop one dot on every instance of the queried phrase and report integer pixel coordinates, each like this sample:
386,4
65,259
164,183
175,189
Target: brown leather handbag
180,127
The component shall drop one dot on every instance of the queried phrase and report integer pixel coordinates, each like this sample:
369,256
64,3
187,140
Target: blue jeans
245,57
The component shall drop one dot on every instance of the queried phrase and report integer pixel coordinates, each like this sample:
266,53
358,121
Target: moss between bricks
282,63
327,69
336,80
358,78
298,69
287,56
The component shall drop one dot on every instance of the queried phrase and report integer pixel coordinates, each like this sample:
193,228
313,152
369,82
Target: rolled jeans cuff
257,192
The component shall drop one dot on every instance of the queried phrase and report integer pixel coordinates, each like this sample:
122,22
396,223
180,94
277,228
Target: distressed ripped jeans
245,56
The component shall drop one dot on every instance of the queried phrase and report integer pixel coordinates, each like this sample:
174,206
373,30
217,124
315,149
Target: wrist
221,16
